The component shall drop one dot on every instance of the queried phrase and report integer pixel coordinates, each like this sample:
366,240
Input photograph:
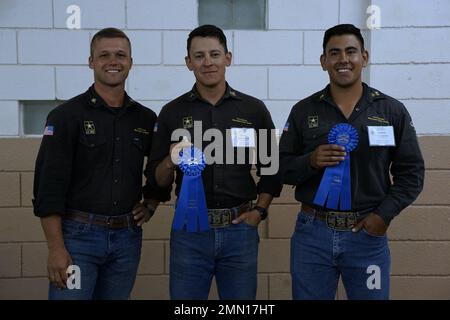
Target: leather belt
112,222
336,220
222,217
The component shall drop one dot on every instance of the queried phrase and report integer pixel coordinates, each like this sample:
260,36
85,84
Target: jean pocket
245,223
73,228
137,230
303,221
367,233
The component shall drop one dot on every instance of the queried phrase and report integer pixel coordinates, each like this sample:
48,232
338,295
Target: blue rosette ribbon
191,210
335,186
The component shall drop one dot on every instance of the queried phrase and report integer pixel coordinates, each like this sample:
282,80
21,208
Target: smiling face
111,61
344,60
208,60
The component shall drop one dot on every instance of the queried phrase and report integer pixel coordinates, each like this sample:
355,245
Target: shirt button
357,109
116,180
216,186
117,138
115,203
117,160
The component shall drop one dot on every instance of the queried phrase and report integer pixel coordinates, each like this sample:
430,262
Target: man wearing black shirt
88,180
352,243
229,249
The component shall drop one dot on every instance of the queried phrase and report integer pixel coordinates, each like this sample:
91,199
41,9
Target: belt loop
90,218
314,216
108,221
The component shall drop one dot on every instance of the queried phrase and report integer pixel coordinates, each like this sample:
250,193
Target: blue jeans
229,253
320,255
108,260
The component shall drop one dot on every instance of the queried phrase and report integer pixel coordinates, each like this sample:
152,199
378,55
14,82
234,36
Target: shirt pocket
138,148
312,138
92,152
140,143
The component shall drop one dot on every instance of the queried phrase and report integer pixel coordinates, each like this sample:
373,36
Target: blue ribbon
191,210
335,186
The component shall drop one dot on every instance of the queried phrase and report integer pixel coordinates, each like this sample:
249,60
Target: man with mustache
348,240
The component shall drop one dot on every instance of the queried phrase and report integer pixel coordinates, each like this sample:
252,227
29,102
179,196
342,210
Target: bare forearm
264,200
53,231
151,203
165,172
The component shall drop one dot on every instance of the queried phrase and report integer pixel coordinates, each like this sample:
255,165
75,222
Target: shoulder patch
48,131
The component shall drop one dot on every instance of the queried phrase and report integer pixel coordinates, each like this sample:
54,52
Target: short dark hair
340,30
207,30
109,33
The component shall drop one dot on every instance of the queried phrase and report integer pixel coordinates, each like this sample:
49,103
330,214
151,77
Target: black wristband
262,211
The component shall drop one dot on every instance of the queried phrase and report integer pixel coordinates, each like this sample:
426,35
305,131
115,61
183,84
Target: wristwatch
262,211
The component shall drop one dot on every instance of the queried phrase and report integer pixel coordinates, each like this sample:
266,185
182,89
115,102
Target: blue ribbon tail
346,192
324,188
330,187
191,207
336,173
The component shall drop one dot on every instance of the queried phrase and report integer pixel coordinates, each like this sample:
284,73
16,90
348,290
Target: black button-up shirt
91,157
226,185
308,126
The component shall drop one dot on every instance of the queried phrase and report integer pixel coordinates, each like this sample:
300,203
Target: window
34,114
233,14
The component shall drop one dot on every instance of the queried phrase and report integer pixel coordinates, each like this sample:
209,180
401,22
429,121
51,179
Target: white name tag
243,137
381,136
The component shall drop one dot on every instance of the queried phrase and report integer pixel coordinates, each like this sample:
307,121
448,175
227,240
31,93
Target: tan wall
419,237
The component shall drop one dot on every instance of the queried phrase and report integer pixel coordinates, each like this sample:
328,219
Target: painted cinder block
303,14
26,14
405,13
8,54
93,14
72,81
9,117
296,82
249,80
388,45
412,81
159,83
19,82
161,14
268,47
53,46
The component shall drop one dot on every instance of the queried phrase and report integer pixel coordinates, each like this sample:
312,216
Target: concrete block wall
40,59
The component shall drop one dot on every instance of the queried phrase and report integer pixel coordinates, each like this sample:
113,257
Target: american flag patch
48,131
286,126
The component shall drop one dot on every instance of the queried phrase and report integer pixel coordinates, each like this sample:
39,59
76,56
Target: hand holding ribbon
191,210
335,186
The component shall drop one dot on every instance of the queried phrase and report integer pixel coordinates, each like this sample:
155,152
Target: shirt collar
230,93
95,100
369,94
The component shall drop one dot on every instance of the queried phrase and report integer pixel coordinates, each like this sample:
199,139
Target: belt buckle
219,218
341,221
